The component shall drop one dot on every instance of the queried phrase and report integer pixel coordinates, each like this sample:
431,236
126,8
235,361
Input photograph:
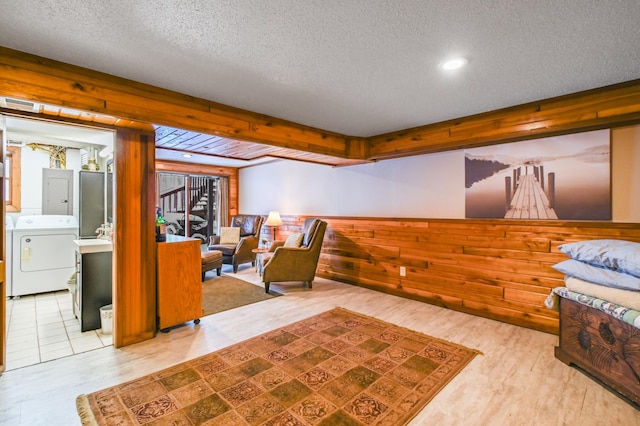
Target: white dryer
8,249
43,253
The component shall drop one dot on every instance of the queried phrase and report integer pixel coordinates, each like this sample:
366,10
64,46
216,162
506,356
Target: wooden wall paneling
134,245
438,269
344,271
498,269
340,247
525,297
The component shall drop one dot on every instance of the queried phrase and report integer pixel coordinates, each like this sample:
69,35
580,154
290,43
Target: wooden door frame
134,304
3,276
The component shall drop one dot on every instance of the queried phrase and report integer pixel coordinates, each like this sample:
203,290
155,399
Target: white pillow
229,235
617,255
597,275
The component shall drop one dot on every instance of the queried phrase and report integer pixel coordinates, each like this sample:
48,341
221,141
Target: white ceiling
37,131
171,155
357,67
25,130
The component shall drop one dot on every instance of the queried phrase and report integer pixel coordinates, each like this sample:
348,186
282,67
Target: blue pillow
596,275
617,255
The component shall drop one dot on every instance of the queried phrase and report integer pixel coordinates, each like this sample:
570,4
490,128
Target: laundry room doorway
44,322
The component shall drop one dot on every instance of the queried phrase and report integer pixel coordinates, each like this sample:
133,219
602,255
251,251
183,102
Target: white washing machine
43,253
8,249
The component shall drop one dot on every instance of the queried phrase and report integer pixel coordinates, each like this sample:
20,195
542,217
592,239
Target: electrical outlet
403,271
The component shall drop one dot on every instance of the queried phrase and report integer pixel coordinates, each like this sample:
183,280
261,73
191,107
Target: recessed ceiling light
186,155
454,64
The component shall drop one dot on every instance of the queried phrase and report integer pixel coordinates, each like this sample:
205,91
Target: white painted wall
32,162
409,187
425,186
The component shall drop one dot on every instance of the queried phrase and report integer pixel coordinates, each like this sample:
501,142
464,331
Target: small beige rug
335,368
226,292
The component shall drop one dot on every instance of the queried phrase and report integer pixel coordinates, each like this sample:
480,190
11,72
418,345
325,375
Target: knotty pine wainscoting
496,269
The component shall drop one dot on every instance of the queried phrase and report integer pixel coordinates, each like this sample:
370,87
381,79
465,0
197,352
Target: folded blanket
628,298
628,315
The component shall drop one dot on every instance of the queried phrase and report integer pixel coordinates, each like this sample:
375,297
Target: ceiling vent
19,104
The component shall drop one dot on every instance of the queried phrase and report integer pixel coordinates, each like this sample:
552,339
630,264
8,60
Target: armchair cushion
229,235
294,240
226,249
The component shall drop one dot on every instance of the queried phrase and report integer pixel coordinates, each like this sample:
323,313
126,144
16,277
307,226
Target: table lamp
274,221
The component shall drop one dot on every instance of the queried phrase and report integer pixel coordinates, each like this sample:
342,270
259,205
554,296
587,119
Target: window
188,204
12,179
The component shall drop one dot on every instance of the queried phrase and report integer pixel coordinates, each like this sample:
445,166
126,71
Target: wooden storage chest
605,347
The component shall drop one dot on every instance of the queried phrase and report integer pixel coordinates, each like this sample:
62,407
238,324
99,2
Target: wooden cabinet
179,284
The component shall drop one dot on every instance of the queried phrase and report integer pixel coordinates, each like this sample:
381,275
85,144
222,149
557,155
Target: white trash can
106,319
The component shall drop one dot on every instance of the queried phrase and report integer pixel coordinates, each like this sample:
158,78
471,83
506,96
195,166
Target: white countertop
93,246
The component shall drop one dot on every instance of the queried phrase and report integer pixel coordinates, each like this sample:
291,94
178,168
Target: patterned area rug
336,368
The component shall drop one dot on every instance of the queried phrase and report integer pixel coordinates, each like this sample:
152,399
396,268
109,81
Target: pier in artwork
527,199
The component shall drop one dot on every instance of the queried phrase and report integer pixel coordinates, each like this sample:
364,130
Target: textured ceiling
357,67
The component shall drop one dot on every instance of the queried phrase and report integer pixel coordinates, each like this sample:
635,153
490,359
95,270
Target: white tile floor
43,327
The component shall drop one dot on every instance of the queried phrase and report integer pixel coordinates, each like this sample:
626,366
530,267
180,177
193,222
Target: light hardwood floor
516,381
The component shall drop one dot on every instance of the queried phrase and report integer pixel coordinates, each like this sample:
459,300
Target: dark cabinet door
92,199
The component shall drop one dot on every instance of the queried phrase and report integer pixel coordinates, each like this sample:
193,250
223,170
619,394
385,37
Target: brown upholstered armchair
284,263
237,254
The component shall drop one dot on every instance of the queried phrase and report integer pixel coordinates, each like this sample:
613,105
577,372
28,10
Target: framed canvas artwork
556,178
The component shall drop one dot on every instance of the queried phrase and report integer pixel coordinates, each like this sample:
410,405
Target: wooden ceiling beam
611,106
38,79
43,80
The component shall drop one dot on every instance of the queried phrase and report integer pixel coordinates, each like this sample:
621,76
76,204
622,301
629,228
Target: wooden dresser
179,283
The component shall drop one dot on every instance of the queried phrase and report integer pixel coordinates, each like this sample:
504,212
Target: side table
258,252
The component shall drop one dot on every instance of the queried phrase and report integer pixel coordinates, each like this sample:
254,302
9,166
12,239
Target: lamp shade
273,219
